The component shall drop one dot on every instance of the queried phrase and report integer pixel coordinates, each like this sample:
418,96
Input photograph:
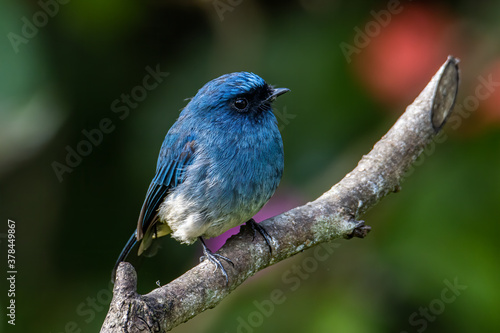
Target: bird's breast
231,178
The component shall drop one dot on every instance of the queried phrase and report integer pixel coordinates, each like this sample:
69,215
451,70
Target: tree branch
333,215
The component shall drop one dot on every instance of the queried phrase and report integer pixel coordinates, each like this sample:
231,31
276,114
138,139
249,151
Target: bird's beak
277,92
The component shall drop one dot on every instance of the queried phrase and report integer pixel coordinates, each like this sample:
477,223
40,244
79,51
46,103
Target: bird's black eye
241,103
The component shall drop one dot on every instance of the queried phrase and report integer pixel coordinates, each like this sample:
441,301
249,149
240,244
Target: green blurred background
352,68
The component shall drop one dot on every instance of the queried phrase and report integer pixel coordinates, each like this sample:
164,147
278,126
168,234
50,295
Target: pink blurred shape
283,200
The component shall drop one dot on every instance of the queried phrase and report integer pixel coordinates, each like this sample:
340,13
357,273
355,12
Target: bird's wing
176,154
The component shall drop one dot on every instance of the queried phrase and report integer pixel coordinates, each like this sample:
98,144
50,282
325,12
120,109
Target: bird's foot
215,259
257,227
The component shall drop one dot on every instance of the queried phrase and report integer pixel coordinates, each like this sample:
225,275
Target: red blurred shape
400,60
489,96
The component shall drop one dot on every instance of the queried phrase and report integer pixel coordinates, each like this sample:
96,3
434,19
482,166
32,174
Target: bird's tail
155,231
124,254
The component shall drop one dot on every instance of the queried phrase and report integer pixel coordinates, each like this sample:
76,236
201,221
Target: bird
219,164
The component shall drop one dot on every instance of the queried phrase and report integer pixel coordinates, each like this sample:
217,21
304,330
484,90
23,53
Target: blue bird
219,164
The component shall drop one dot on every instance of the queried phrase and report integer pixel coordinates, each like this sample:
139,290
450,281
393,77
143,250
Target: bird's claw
257,227
215,259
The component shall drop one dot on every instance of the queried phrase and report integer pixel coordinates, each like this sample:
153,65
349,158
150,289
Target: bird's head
240,94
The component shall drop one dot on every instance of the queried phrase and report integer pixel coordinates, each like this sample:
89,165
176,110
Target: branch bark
333,215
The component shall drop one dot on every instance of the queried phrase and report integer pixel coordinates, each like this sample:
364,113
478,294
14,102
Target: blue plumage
219,164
